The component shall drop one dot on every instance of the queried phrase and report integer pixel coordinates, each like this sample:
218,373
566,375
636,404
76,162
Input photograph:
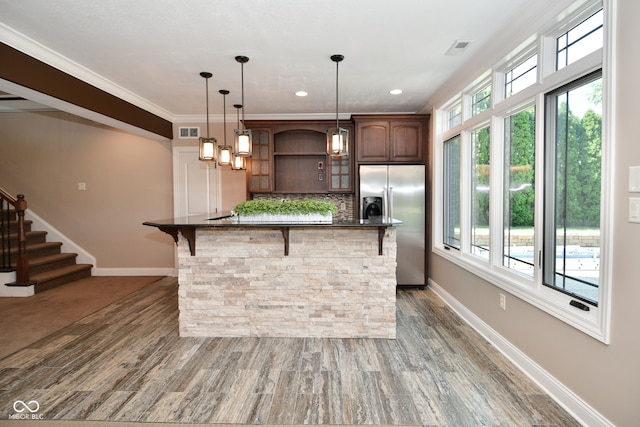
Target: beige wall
607,377
129,180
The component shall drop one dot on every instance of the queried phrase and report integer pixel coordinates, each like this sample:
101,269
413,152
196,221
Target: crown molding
36,50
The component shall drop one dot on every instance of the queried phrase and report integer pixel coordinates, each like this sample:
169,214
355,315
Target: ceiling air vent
458,48
189,133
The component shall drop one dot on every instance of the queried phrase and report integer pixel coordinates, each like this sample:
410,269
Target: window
481,100
519,192
580,41
480,177
451,193
572,203
526,182
455,115
521,76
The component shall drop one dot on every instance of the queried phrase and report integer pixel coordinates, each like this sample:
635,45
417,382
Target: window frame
549,240
507,114
473,192
595,322
447,194
485,84
522,59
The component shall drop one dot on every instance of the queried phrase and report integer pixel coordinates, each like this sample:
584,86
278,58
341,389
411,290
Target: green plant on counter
285,207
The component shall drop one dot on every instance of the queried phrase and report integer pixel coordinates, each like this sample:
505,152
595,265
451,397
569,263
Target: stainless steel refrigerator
401,191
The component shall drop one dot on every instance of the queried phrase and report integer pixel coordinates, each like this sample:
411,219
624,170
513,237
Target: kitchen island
335,280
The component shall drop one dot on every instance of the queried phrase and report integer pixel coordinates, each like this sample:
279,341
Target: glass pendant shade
224,156
243,143
208,149
338,142
238,163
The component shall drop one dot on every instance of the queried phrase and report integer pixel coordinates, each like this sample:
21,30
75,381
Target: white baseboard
566,398
172,272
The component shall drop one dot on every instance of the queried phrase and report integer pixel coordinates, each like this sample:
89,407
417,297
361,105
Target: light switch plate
634,179
634,209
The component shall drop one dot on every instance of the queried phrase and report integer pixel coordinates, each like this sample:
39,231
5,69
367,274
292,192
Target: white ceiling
150,52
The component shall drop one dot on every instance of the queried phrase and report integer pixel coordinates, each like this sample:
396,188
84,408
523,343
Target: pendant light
208,149
239,162
337,138
224,153
243,139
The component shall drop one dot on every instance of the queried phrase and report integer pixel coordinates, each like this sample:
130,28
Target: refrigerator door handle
385,202
390,203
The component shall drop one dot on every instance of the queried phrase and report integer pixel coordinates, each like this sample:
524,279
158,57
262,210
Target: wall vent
189,132
458,47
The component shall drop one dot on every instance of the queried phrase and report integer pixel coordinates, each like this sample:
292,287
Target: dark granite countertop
225,219
187,225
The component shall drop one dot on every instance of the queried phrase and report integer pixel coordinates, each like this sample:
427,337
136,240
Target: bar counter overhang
335,280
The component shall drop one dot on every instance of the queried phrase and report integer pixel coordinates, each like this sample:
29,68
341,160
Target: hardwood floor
126,362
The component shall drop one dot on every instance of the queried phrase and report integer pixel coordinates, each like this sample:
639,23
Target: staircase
49,267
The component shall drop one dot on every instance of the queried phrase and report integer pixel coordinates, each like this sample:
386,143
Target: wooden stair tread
34,246
51,258
48,259
60,272
14,235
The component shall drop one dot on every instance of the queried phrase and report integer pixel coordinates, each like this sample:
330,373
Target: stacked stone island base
334,283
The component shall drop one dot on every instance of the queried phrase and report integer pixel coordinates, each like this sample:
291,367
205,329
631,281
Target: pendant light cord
242,88
224,117
337,118
337,59
206,83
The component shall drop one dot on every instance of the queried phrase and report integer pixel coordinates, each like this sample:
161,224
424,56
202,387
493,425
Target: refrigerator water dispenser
371,207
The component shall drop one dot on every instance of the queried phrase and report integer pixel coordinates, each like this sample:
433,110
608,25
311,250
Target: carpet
26,320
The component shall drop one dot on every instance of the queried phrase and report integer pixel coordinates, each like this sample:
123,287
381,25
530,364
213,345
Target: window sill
552,302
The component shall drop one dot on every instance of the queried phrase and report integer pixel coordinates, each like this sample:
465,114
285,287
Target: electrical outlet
503,302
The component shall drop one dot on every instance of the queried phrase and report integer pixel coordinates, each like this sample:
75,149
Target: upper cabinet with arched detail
298,160
391,138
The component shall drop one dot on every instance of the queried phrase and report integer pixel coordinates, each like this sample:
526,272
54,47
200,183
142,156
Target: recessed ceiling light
395,91
301,93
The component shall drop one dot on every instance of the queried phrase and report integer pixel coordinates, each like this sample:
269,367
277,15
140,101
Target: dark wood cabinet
259,166
407,141
293,158
391,138
373,141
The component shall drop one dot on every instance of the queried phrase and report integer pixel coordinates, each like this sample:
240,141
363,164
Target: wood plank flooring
126,362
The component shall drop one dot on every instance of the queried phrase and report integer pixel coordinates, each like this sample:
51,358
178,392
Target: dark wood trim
24,70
